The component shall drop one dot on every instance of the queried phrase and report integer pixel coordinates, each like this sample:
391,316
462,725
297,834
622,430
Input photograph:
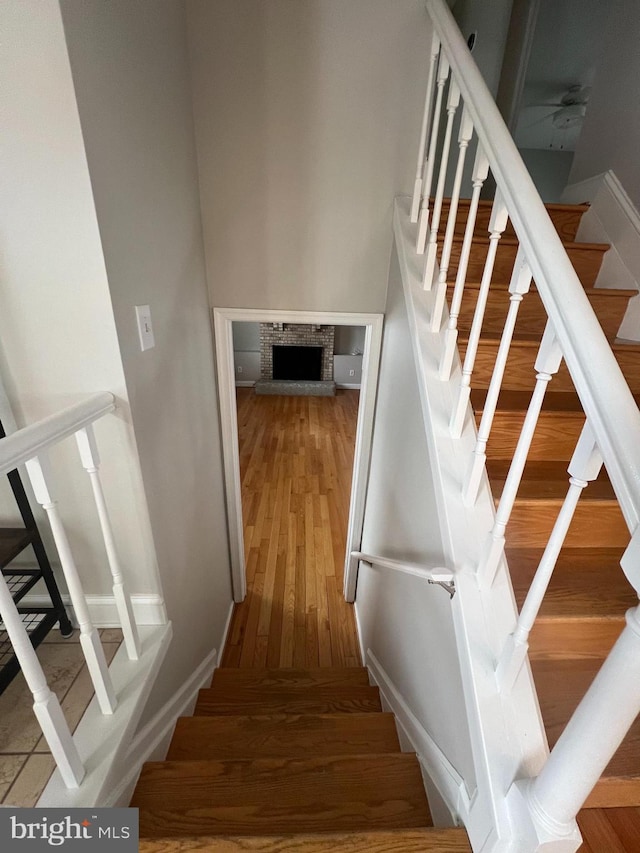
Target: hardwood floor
296,459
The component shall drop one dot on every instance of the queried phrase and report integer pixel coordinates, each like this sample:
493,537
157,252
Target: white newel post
547,363
464,138
584,467
423,224
497,224
89,637
417,189
91,462
519,286
479,176
45,703
601,720
453,101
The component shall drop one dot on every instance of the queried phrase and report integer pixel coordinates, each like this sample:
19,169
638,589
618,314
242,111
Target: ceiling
567,44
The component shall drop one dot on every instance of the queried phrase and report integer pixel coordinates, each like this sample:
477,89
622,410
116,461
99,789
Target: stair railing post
546,365
46,706
584,467
479,176
519,286
453,101
497,224
601,721
89,637
423,223
90,459
422,164
464,138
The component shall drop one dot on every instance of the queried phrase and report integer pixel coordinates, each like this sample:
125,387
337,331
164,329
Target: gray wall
307,118
130,69
610,138
404,621
58,341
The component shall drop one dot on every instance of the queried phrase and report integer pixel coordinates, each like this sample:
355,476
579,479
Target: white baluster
547,363
417,189
45,703
89,637
584,467
453,100
464,137
592,735
479,176
91,462
497,224
423,224
519,286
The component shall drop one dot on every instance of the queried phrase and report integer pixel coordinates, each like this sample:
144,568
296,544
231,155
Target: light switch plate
145,329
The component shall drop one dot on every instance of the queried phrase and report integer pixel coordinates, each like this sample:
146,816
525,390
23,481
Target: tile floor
25,761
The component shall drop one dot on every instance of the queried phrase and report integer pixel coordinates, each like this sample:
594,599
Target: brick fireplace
296,335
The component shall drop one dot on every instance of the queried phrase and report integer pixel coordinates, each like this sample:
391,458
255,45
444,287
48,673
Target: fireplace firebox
297,363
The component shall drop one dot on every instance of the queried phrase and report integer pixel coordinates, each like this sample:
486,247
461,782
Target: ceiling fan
569,112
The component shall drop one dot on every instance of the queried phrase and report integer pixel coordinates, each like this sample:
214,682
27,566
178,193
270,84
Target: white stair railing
544,807
29,446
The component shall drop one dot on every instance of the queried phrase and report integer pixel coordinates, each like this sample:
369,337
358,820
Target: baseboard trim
147,609
159,728
245,383
348,386
442,773
225,633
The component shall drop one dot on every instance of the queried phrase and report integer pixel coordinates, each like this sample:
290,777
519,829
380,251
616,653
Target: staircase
288,759
583,611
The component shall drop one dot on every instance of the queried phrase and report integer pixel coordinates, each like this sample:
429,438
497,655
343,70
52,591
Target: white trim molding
147,609
223,318
152,741
450,784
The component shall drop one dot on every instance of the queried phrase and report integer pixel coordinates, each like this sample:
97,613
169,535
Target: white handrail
436,575
599,382
32,440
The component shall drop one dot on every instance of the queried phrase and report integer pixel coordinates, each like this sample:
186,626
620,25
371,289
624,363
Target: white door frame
222,320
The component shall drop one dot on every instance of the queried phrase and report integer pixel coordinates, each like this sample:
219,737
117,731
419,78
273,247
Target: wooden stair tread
427,840
282,735
503,286
586,258
561,684
546,480
271,795
565,217
576,588
312,700
289,679
520,374
558,402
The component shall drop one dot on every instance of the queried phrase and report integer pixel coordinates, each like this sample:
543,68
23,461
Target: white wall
349,340
549,170
307,117
490,20
403,620
130,70
246,336
611,134
58,339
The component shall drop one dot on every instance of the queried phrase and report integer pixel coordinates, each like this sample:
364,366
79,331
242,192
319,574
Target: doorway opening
224,320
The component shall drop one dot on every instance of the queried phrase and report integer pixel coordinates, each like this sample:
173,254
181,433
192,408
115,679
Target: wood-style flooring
296,460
